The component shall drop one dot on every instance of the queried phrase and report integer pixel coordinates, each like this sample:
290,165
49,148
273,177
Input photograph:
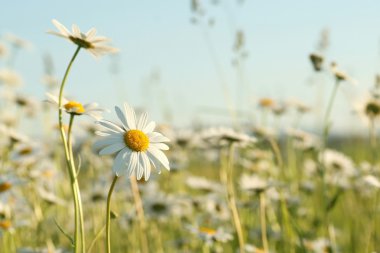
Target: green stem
263,222
76,184
373,140
326,123
326,130
71,170
108,220
63,85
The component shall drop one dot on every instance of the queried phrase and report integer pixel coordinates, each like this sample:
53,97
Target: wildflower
203,184
10,77
371,181
253,183
76,108
317,61
210,235
135,142
303,140
17,42
340,168
368,108
340,75
3,50
89,40
266,103
5,224
159,206
299,106
222,136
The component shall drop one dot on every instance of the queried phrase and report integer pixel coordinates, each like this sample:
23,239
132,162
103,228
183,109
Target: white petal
91,33
98,39
142,121
157,137
140,167
57,34
132,163
111,126
122,118
112,149
104,133
76,31
146,165
150,127
109,140
61,28
118,163
160,156
130,116
161,146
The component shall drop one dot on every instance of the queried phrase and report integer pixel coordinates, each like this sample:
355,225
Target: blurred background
202,61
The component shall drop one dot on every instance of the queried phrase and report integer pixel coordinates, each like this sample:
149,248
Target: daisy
91,42
223,136
135,142
368,108
340,75
210,235
76,108
253,183
316,60
10,78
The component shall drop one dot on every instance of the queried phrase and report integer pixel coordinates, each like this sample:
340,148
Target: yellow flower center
74,107
266,102
5,224
5,186
208,231
136,140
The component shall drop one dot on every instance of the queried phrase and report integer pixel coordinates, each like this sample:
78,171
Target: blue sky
157,38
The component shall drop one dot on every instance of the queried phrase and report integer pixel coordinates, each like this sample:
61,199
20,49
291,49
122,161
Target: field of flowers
92,184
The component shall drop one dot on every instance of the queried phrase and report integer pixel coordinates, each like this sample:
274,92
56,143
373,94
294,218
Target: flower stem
372,140
108,219
326,131
140,215
76,185
71,169
263,223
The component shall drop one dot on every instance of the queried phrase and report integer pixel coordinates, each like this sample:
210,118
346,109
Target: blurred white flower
10,77
222,136
253,183
210,235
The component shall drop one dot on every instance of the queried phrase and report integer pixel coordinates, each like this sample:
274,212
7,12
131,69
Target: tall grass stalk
108,218
140,215
226,176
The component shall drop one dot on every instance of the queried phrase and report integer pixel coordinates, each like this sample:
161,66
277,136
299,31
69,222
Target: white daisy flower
340,75
76,108
10,77
135,142
91,42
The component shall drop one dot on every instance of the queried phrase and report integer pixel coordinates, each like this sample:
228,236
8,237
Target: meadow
85,183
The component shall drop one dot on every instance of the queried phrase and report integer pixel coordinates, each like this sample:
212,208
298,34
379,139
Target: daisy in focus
76,108
94,44
137,145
